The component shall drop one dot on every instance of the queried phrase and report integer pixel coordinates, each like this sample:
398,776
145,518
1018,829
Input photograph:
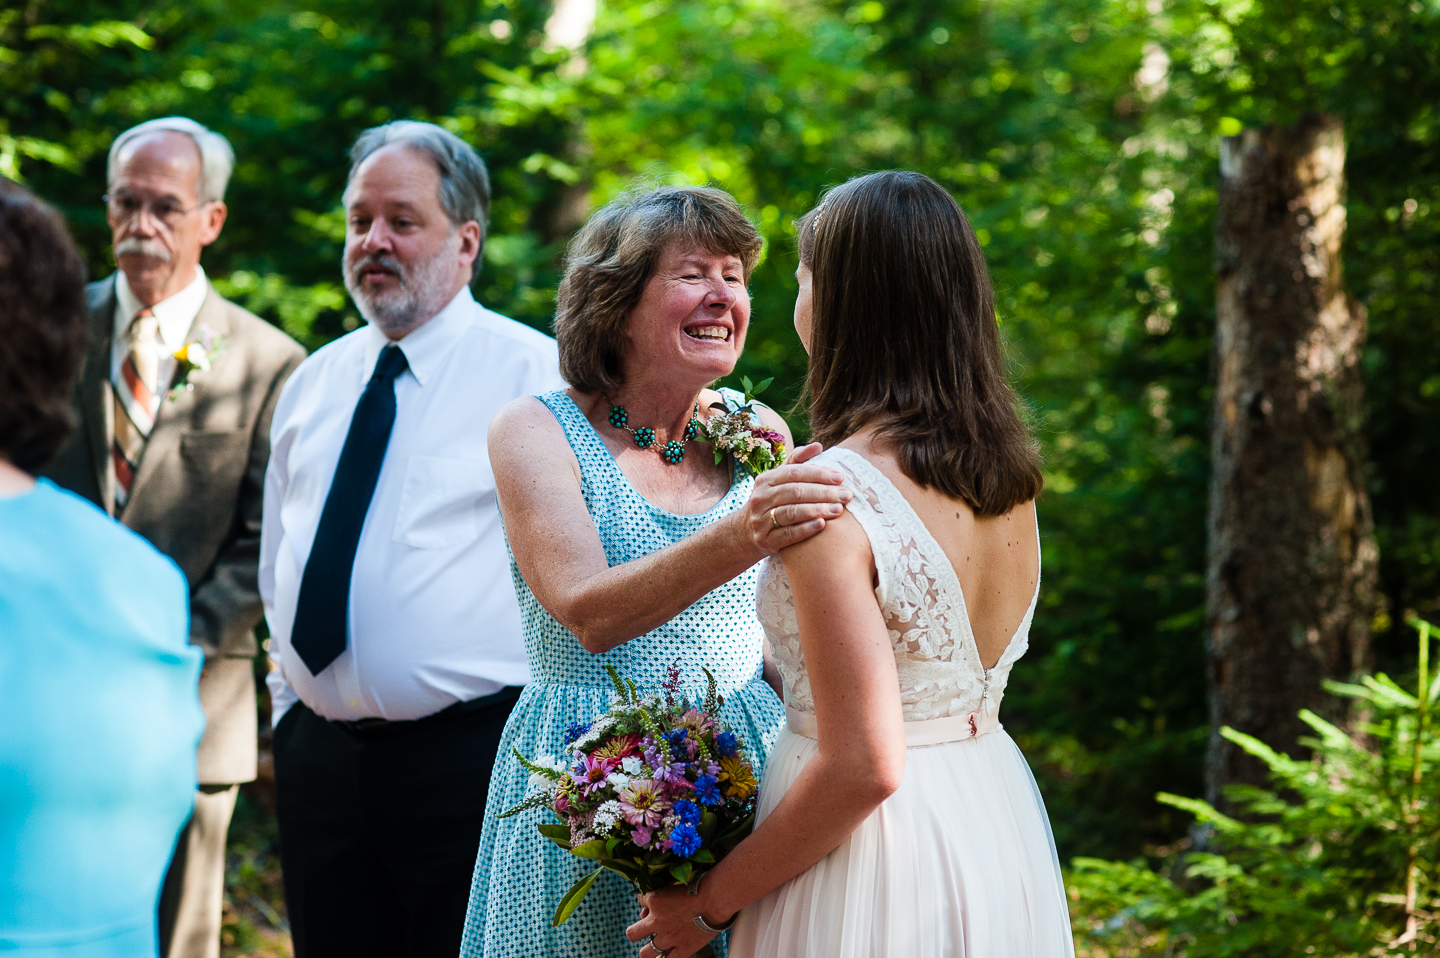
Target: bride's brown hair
904,335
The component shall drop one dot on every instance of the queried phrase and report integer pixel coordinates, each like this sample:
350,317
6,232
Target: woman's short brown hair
42,328
904,335
612,258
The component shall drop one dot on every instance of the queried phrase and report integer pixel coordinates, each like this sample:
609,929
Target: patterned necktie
137,400
318,635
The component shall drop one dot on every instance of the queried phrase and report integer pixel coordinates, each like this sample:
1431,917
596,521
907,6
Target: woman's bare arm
558,550
860,758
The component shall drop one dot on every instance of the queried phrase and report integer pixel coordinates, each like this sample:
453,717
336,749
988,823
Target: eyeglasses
166,212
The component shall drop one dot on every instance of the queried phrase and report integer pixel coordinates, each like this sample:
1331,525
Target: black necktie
318,635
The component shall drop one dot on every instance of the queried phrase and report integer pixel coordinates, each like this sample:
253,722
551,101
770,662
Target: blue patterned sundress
519,876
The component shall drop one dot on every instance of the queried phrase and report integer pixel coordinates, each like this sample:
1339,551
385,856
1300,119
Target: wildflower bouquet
655,790
739,433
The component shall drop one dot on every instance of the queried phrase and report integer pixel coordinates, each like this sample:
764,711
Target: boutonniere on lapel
200,354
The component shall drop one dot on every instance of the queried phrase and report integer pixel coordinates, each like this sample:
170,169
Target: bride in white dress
897,817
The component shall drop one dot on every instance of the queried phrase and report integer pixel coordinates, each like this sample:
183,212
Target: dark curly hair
42,328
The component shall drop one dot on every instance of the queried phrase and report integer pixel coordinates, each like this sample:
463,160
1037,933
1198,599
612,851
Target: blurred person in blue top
99,710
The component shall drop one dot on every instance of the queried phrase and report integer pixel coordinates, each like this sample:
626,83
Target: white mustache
139,246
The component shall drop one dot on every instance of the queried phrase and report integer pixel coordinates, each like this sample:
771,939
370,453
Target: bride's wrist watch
692,887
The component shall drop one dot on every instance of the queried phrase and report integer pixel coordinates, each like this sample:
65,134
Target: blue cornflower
687,811
574,730
684,840
728,743
707,789
676,738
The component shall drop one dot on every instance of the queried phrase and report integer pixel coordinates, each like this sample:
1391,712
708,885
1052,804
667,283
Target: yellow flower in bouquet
737,777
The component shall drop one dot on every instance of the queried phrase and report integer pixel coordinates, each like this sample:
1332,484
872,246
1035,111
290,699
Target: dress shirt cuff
282,696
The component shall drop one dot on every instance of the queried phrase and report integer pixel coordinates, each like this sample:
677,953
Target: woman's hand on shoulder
791,503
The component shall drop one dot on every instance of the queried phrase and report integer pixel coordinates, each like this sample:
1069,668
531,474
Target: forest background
1080,136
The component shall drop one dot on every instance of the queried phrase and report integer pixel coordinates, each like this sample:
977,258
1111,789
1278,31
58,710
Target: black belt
372,727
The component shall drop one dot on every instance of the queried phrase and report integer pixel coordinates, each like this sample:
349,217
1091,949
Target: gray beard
419,294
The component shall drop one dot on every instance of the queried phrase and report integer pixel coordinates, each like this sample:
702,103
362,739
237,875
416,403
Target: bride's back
996,558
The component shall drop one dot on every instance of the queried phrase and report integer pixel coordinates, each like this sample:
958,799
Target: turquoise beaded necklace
673,451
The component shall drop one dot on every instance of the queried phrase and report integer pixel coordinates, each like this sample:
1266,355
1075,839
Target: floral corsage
200,355
739,432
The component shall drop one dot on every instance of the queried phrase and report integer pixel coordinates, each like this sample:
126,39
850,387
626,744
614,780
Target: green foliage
1340,858
1080,136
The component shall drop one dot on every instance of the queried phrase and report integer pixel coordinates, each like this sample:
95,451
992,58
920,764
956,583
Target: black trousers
379,827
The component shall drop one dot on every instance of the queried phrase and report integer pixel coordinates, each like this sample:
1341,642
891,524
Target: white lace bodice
939,665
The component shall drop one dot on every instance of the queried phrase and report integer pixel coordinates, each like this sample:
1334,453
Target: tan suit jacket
197,496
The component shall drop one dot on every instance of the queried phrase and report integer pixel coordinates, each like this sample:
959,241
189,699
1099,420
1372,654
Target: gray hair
464,182
217,158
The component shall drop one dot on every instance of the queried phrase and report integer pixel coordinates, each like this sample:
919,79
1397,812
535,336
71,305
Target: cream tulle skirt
958,862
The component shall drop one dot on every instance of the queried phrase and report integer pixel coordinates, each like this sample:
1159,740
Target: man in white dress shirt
383,567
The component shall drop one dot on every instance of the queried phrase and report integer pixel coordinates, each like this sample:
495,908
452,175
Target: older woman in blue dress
623,554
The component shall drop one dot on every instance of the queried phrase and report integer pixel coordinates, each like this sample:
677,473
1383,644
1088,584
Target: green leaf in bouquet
611,844
574,897
624,869
559,834
760,387
709,821
682,872
704,856
749,386
737,831
719,454
594,850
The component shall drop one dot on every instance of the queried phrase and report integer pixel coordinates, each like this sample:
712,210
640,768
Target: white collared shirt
175,314
433,617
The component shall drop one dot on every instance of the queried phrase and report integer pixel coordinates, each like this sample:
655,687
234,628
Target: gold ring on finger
774,523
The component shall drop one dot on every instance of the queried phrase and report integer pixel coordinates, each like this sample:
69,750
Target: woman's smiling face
692,315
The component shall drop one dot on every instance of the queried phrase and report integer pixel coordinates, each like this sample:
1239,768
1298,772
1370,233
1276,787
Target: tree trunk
1291,581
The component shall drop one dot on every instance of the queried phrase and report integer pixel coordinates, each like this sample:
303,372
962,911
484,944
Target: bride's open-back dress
960,860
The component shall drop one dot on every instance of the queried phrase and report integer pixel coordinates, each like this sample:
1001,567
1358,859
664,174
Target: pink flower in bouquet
641,835
591,772
697,722
580,827
643,804
618,747
769,435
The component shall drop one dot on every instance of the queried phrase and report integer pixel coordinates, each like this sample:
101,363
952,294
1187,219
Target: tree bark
1291,579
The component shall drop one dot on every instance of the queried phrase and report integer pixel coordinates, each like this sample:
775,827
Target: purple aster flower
707,790
640,835
591,772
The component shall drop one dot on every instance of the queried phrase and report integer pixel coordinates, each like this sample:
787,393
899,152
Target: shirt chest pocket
441,502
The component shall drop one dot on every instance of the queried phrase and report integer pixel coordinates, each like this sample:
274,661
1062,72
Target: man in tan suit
173,410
